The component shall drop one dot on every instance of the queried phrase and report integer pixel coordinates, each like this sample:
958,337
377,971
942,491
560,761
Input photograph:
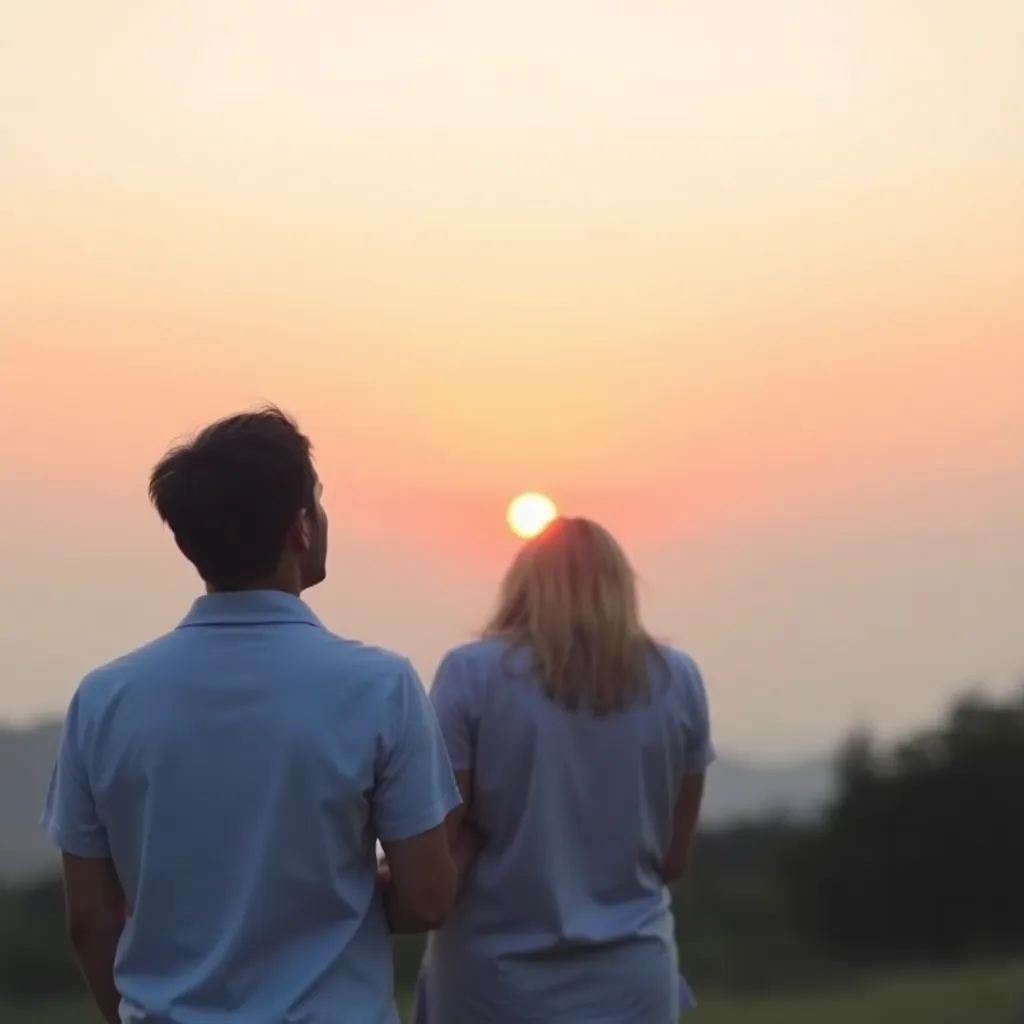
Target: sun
530,513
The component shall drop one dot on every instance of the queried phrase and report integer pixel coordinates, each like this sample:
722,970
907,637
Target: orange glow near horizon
739,280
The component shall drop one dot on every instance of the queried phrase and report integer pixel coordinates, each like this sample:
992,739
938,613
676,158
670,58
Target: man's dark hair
231,493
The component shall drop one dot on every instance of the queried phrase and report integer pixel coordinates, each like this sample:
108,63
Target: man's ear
300,536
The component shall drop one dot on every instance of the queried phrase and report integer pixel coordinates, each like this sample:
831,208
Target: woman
580,745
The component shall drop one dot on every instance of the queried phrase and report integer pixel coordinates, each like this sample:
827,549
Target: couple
219,793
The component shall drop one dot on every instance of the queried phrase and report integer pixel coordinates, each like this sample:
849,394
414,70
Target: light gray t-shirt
564,916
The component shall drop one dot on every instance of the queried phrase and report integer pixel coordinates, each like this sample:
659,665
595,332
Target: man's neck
278,585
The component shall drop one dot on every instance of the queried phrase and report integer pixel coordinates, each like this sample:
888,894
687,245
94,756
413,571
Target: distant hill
740,790
26,758
736,790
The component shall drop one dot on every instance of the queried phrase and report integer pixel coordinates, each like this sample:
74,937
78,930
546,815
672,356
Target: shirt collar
249,608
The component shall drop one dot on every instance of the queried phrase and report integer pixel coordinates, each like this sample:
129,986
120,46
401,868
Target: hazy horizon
743,284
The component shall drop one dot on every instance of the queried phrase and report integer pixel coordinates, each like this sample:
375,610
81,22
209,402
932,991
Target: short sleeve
451,699
69,817
700,751
415,788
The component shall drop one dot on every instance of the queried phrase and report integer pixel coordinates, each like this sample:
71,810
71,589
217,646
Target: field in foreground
992,995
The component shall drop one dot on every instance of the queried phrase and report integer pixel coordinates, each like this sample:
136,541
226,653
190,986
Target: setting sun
530,513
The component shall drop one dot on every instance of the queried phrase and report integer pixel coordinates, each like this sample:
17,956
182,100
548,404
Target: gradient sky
743,280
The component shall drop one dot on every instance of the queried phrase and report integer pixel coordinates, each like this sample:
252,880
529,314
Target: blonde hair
570,597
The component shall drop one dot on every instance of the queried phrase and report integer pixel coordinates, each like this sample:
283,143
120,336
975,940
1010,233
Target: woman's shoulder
476,655
680,668
679,659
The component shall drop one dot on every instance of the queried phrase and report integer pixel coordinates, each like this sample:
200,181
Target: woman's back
575,811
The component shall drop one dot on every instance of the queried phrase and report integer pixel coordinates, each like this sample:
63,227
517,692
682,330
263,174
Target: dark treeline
918,860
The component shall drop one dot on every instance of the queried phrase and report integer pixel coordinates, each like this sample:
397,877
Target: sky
744,281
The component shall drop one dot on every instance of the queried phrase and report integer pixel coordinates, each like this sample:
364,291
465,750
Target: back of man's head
232,494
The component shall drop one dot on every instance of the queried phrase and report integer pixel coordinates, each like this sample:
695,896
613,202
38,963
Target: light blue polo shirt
238,771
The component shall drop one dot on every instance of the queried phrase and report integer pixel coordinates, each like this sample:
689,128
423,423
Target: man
218,793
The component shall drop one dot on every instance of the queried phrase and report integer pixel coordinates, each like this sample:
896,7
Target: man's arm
463,838
94,899
95,911
415,793
422,882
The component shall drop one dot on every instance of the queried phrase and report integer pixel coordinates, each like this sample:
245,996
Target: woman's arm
699,753
456,698
464,850
684,829
463,837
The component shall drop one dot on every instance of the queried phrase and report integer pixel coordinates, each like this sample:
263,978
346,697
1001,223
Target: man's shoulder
105,679
354,658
